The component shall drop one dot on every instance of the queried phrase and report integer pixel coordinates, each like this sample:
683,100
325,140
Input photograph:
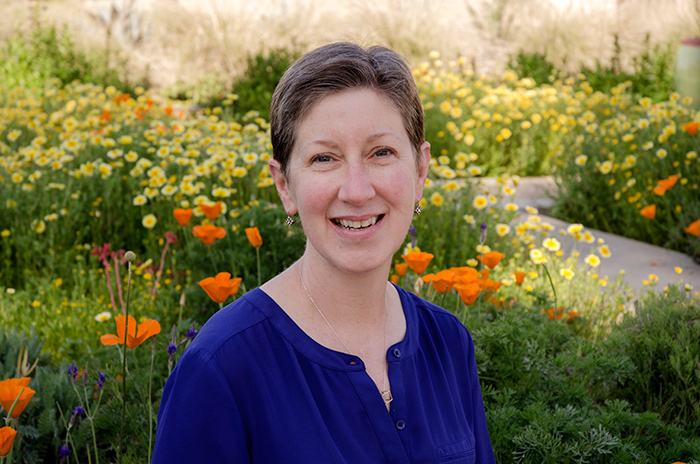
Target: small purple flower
72,370
64,452
76,412
172,348
101,377
413,231
482,238
192,333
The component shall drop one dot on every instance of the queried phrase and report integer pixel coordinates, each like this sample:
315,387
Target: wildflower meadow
127,219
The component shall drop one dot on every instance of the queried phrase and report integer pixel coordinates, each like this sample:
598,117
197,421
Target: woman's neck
350,299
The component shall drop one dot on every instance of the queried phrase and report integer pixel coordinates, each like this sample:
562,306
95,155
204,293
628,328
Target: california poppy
491,259
220,287
254,238
669,182
7,437
468,292
659,190
211,211
519,277
558,314
648,212
443,281
208,233
465,274
146,329
9,392
394,279
694,228
183,215
691,127
401,268
418,260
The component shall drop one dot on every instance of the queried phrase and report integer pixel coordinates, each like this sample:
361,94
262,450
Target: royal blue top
253,387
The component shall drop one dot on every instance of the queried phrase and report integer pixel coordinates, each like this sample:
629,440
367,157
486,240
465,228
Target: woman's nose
356,187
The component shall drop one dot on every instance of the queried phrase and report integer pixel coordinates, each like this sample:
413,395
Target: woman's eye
382,152
321,158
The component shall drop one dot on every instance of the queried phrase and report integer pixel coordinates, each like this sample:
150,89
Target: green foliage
662,343
249,92
533,65
255,87
651,73
551,397
33,58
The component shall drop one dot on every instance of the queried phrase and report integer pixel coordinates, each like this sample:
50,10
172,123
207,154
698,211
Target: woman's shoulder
232,321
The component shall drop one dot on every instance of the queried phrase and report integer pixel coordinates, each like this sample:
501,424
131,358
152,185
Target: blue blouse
253,387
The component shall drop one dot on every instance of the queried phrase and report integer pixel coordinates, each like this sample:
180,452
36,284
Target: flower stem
150,403
126,337
257,252
554,290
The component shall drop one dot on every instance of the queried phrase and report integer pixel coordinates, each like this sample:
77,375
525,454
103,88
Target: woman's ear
282,185
423,169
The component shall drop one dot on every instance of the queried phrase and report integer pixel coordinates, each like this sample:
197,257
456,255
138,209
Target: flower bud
129,256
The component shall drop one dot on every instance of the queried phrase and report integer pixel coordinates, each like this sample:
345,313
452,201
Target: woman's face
353,179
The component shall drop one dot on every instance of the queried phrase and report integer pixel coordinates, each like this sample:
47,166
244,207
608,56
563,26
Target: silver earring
290,221
418,209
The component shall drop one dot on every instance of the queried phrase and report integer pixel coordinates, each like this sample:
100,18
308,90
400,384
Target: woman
328,362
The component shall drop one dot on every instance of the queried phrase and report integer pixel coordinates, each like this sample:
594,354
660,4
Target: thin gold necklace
385,392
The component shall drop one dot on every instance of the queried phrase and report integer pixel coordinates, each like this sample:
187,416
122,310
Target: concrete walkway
637,259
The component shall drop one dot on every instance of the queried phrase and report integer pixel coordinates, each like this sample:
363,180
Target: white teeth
356,224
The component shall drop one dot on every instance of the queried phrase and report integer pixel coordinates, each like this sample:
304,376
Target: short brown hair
331,69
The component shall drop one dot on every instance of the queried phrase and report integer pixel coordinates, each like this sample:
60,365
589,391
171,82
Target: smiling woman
328,362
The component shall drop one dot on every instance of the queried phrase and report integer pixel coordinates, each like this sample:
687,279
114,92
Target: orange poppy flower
254,238
485,274
519,277
394,279
491,259
694,228
211,211
401,269
558,314
571,316
146,329
183,215
7,437
465,274
208,233
669,182
468,292
9,392
648,212
220,287
443,281
659,190
418,260
691,127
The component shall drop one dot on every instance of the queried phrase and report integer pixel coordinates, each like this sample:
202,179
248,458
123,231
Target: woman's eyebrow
333,144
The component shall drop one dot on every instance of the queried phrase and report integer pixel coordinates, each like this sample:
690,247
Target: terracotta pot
687,73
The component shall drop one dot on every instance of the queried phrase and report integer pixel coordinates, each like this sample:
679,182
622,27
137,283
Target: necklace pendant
387,397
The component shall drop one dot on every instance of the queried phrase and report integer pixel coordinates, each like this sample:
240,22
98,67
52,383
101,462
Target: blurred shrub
662,343
551,396
31,58
255,87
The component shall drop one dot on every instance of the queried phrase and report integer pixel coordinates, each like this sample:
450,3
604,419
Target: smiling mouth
357,225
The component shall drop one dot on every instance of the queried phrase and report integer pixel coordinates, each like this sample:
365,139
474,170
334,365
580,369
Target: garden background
142,126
